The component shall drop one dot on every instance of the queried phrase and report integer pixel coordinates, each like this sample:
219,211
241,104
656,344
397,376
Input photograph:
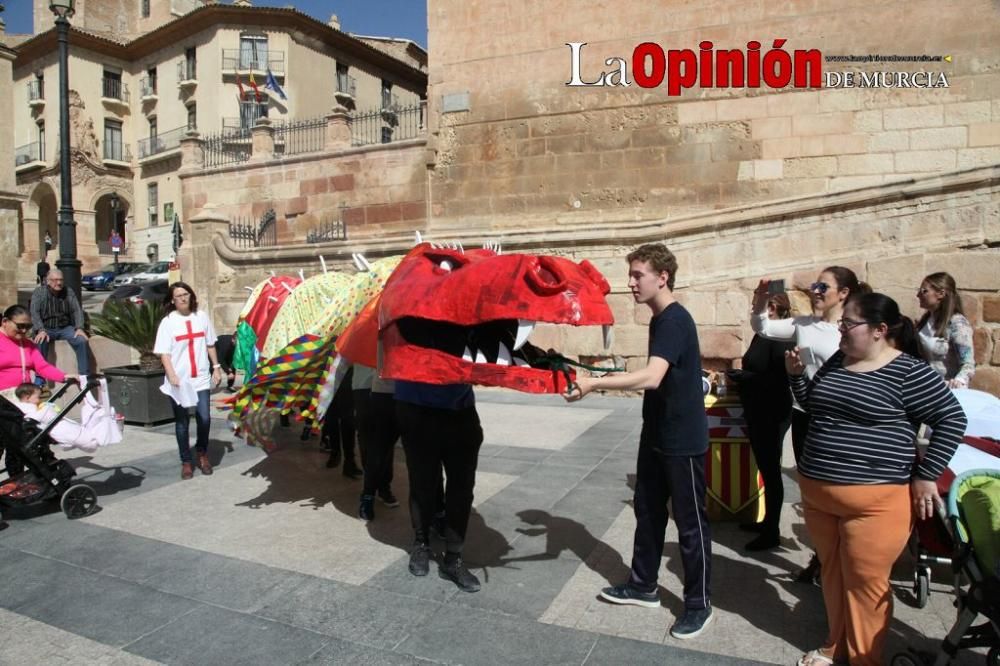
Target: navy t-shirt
439,396
673,414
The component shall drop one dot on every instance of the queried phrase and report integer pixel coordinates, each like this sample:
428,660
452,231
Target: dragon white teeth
481,357
467,355
521,363
609,336
503,355
524,329
417,237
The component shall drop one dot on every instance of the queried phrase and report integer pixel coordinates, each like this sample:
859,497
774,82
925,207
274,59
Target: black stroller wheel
905,659
993,657
922,585
79,501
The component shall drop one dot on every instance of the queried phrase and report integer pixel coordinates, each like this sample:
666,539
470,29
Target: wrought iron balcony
187,73
147,88
162,142
117,151
239,60
115,89
36,92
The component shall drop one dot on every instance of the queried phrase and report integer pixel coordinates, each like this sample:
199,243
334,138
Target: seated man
56,315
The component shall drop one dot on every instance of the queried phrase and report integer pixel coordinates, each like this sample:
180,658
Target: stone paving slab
265,561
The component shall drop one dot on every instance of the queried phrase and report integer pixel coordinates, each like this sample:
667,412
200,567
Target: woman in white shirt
945,335
185,342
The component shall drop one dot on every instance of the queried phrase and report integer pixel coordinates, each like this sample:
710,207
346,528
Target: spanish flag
253,84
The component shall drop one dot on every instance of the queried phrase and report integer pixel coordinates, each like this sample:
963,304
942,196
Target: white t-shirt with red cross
187,339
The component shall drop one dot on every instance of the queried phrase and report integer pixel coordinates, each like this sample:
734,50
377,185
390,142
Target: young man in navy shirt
672,446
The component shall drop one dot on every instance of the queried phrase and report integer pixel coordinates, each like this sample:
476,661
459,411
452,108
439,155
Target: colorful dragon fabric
296,379
448,316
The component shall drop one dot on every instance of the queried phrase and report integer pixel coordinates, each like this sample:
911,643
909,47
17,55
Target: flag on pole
253,84
272,84
239,84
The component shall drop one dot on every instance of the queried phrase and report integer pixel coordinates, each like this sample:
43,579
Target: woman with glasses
862,485
945,335
817,339
19,360
185,343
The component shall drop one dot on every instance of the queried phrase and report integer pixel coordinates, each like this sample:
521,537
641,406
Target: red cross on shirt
190,337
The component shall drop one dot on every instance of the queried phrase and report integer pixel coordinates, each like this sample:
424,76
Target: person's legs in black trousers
650,507
686,476
800,429
423,465
378,455
767,434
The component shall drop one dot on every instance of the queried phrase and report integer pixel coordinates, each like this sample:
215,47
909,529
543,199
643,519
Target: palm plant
132,325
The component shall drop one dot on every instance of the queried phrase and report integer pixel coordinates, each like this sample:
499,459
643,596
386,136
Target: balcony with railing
114,91
36,93
117,151
29,155
162,143
147,89
347,84
187,73
239,60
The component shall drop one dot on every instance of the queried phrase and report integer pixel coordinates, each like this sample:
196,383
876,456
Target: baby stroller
973,523
45,477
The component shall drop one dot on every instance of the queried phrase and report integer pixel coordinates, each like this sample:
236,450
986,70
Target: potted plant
135,389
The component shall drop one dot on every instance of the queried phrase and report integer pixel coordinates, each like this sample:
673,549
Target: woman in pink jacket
19,359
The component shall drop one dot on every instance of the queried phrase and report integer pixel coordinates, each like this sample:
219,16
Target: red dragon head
451,316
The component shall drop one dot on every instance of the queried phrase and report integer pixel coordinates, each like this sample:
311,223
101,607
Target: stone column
192,152
338,129
200,263
262,145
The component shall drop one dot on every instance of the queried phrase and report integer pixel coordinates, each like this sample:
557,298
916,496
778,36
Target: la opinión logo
650,66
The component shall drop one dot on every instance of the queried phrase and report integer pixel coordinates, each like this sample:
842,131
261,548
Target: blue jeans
79,345
182,421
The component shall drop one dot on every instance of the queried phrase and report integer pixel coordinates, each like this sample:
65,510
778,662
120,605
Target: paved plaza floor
266,562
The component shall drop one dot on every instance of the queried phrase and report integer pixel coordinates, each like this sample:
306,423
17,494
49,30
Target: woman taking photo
862,485
19,360
944,333
185,342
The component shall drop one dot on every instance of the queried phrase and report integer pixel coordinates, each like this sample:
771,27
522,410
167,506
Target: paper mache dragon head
448,316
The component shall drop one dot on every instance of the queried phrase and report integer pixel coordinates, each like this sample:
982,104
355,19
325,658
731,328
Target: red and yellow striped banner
731,476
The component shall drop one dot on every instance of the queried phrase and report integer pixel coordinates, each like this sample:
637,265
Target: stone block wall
531,150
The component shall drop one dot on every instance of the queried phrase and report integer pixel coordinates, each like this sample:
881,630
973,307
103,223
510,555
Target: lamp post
115,237
67,262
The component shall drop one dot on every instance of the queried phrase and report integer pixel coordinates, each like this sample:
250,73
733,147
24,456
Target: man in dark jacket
56,315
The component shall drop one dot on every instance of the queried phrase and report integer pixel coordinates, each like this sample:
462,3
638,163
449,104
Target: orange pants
858,531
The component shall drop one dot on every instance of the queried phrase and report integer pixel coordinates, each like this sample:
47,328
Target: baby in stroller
98,425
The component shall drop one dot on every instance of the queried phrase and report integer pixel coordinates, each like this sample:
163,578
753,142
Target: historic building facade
143,75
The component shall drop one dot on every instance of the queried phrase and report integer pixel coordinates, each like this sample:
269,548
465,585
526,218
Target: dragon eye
446,265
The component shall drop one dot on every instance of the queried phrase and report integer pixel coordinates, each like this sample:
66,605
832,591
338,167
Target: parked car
102,279
127,276
154,291
157,271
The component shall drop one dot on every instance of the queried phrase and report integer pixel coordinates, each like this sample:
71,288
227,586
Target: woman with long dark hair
944,333
862,485
185,342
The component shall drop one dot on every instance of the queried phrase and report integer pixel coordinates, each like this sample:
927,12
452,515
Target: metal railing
29,152
114,89
385,126
36,90
240,60
300,136
245,233
187,70
328,230
347,84
162,142
117,150
147,86
225,147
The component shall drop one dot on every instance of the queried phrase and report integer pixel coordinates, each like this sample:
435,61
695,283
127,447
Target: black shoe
334,459
306,433
454,569
420,559
752,527
325,444
230,389
351,470
692,623
763,542
810,575
3,525
387,498
626,595
366,511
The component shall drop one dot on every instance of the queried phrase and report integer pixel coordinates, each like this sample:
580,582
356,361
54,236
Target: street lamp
115,237
67,262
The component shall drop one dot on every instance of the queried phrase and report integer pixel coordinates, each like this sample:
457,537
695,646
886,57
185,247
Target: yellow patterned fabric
303,308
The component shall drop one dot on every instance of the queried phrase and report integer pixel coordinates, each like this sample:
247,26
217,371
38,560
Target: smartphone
775,287
807,356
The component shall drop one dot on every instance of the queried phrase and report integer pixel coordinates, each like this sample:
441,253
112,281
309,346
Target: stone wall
530,150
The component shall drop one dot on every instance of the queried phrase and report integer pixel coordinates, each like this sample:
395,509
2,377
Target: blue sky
391,18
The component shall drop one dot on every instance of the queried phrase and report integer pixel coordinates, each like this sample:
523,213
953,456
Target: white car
157,271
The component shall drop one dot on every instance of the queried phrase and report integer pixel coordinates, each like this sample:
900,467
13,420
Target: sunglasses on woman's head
821,287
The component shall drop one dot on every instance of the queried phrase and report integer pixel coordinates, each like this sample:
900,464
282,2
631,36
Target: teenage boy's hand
580,388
